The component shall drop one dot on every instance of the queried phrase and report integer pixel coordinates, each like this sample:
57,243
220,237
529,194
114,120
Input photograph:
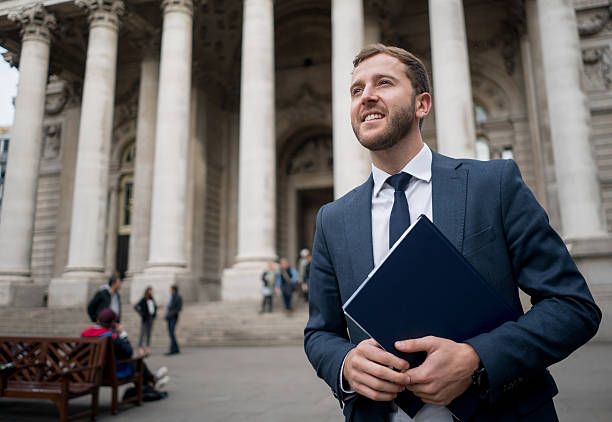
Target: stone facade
5,139
191,141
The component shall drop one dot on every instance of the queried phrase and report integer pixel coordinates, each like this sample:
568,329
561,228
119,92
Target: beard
400,124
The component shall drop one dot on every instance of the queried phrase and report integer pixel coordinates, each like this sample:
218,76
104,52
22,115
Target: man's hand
446,372
366,369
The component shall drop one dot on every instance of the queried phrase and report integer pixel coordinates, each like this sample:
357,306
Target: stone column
533,102
113,225
145,154
351,160
570,122
257,154
452,88
167,246
19,205
85,269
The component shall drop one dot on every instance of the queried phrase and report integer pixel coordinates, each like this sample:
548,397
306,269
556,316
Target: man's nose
369,95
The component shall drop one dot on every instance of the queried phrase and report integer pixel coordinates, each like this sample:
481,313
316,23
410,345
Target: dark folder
423,287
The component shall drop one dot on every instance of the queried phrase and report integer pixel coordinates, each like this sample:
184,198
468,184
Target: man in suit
489,214
175,305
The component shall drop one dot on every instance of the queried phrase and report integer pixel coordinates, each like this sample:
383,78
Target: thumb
423,344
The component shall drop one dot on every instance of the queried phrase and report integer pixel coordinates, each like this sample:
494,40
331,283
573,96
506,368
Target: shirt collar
419,167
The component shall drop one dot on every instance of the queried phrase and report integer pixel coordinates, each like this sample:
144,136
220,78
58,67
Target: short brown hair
415,70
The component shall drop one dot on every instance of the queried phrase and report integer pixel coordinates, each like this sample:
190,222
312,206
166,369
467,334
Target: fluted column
167,249
19,204
257,155
257,187
454,109
145,154
89,202
351,160
570,122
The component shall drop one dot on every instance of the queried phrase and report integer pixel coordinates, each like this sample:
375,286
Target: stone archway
305,183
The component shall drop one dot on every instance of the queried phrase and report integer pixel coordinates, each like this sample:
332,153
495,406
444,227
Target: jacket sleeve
123,348
326,340
563,316
139,307
94,304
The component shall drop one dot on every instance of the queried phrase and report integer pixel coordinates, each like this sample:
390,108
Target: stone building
4,146
186,141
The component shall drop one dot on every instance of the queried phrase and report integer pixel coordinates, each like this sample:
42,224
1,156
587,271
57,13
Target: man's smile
372,115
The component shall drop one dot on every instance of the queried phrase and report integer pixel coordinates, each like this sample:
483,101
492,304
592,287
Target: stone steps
208,324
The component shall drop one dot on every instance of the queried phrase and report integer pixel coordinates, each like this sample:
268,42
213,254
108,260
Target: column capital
185,6
36,23
103,12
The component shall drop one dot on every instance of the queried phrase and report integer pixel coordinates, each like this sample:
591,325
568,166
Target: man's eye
356,91
384,82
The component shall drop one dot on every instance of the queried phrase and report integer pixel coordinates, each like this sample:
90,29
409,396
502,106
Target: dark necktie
398,223
400,215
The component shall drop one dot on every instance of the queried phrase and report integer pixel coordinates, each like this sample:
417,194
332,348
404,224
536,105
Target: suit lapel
358,230
449,194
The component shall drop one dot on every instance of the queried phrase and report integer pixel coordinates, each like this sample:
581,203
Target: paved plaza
277,384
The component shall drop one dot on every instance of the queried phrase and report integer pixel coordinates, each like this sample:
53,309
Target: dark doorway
309,202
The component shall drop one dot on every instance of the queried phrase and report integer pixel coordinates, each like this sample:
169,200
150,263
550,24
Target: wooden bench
54,368
110,379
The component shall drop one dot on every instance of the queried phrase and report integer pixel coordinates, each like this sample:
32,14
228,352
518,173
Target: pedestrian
286,278
147,309
306,279
485,209
107,297
175,305
302,269
267,290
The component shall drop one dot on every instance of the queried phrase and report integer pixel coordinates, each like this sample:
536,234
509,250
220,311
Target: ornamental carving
508,36
593,17
185,6
52,141
597,62
314,155
306,105
11,58
36,23
57,95
103,12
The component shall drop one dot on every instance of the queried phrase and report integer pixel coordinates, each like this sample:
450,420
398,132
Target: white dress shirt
418,194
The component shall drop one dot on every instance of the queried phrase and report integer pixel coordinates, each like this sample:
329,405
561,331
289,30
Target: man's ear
423,105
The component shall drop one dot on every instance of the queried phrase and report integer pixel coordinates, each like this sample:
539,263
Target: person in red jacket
107,326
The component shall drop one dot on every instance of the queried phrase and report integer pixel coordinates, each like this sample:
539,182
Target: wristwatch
480,380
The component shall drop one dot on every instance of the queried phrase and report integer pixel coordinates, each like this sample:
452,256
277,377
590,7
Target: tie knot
399,181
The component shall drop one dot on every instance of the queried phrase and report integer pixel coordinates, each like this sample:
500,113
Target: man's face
382,102
284,264
116,285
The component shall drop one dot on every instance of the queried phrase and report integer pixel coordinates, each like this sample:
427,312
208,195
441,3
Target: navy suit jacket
486,210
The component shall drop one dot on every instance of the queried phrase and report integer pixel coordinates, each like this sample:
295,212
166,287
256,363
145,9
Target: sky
8,89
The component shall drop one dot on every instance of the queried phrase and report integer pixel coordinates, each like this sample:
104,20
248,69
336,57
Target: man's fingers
423,344
377,384
379,371
372,394
374,353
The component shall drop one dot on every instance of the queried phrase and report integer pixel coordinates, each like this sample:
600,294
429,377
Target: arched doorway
305,184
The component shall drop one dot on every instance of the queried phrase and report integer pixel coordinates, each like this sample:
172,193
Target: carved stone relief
52,141
597,62
312,156
592,16
57,96
306,105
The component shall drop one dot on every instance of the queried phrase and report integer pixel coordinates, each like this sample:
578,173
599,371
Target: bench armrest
132,359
